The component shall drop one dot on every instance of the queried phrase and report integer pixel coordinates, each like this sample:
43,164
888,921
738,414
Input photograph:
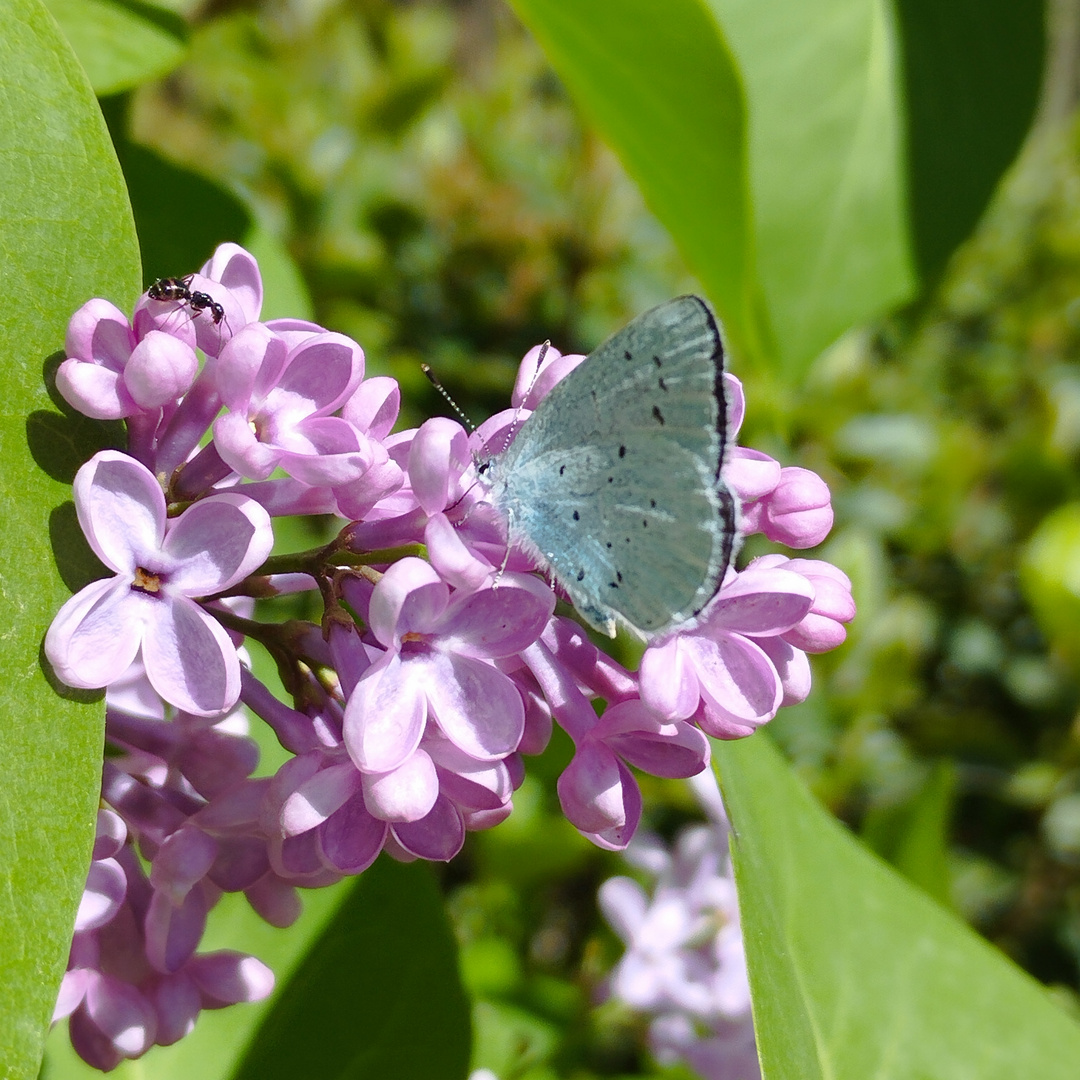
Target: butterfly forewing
614,480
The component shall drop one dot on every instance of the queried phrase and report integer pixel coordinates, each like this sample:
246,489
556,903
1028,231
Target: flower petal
406,794
94,390
121,509
351,838
384,716
120,1013
374,406
160,369
250,364
325,450
241,449
409,598
173,932
238,271
668,681
438,836
751,474
438,455
106,887
226,978
322,372
498,621
217,542
760,601
100,333
190,660
590,788
455,561
316,799
737,679
475,705
95,636
793,667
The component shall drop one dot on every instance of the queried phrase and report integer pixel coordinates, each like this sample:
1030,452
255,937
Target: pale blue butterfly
613,483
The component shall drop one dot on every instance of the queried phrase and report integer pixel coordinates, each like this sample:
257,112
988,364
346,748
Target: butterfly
613,483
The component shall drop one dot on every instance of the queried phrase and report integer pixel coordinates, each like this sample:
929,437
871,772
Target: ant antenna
426,369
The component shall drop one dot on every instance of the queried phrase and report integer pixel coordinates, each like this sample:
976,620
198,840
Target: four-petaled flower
161,567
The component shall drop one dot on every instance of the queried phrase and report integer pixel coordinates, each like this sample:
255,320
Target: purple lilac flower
684,964
149,607
437,666
134,977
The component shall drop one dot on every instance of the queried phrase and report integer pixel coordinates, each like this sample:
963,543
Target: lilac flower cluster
684,964
438,664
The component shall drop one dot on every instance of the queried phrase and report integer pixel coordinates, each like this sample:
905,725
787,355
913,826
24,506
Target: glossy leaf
856,973
120,44
378,996
67,234
658,81
826,164
972,71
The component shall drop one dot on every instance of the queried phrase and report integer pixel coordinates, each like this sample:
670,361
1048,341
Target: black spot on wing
622,451
577,516
658,415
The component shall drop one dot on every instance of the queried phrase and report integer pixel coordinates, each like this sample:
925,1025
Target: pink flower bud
798,512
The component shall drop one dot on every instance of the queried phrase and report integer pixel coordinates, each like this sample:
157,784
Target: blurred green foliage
444,203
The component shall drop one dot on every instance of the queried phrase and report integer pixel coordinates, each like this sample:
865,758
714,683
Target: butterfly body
613,482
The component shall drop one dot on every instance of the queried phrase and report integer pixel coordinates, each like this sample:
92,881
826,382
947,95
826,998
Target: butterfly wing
614,480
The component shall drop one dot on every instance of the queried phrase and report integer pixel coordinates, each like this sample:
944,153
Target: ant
179,289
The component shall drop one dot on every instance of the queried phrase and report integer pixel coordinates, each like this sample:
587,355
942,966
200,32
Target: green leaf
659,82
972,71
378,996
285,294
854,972
67,235
121,44
180,215
914,835
826,164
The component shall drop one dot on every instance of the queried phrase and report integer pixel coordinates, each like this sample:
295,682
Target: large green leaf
66,234
826,164
121,44
658,81
377,997
972,71
856,973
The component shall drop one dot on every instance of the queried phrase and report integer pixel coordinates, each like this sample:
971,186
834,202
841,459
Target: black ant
179,289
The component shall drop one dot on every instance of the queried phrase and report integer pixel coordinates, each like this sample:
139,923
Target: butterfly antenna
426,369
511,431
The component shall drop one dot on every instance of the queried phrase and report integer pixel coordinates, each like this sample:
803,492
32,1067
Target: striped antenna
426,369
